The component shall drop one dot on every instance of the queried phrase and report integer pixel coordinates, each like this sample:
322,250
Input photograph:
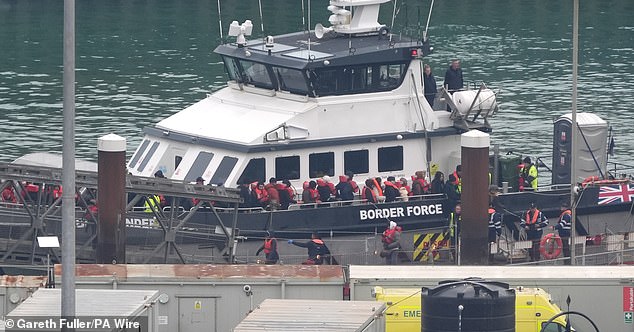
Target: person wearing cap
271,256
529,173
534,221
495,228
318,252
391,239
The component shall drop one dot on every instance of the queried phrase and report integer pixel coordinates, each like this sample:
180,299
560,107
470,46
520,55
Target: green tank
508,171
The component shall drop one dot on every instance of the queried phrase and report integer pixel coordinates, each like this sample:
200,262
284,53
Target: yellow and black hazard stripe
424,244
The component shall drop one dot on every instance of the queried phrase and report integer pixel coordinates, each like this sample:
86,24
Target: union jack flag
615,194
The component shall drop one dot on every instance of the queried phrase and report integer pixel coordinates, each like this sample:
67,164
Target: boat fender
384,32
550,246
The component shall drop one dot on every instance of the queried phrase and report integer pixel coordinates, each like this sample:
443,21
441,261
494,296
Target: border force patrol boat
328,102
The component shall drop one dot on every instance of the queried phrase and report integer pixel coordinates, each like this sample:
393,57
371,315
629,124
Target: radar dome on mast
363,21
240,30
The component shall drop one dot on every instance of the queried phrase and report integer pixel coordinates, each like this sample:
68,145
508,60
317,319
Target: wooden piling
475,199
111,199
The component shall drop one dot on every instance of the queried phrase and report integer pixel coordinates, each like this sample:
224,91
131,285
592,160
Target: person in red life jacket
457,174
404,190
355,187
564,228
30,191
57,192
274,195
323,190
343,190
286,194
368,192
495,228
199,181
8,195
534,221
318,252
311,195
260,195
92,211
269,247
521,181
420,186
391,239
391,191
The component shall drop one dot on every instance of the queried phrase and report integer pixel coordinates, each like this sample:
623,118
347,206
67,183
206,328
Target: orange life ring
550,246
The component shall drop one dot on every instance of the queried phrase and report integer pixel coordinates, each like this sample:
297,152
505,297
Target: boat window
177,161
148,156
139,153
290,80
232,68
287,168
254,171
358,79
199,166
256,74
356,162
391,159
320,164
223,170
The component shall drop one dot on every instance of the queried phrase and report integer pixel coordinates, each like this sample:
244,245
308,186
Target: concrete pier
111,199
475,199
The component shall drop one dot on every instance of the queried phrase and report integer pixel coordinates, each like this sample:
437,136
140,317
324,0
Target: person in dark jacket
270,249
429,83
344,190
391,191
318,252
438,183
451,190
564,228
453,77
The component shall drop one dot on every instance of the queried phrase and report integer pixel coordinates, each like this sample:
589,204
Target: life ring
550,246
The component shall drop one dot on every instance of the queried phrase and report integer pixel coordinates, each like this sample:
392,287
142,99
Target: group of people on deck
280,194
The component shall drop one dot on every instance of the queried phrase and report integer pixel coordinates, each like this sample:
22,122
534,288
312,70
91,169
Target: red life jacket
390,184
268,246
314,193
57,193
363,195
455,174
388,235
423,184
567,212
8,195
318,241
378,188
529,220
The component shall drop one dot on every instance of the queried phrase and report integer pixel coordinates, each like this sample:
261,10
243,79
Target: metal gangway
38,213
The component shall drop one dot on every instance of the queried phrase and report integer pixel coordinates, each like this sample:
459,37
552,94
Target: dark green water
139,61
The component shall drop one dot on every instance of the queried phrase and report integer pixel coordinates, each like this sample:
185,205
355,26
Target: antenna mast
219,19
261,19
428,19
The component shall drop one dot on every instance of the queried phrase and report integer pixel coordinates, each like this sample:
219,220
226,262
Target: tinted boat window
255,171
139,153
287,168
358,79
356,161
177,161
391,159
223,171
199,166
256,74
232,68
290,80
320,164
148,156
